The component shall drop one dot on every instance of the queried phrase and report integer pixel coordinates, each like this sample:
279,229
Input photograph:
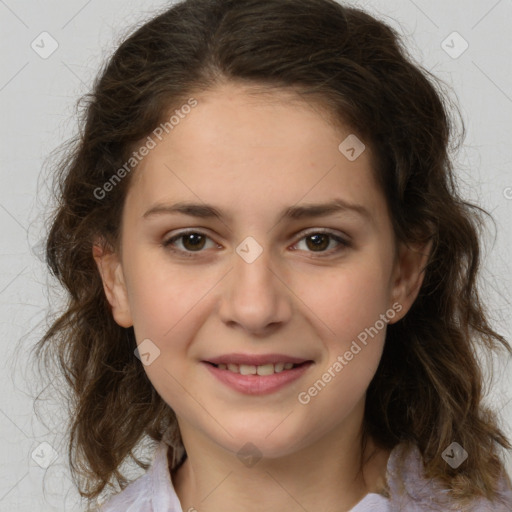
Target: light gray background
37,100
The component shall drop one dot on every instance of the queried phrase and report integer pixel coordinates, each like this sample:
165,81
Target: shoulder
135,497
151,492
410,490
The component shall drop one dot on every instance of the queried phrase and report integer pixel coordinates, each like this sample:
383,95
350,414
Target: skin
252,156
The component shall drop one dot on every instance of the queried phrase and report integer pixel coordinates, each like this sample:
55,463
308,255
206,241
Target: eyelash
344,244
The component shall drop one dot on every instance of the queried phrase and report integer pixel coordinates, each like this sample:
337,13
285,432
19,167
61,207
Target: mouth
262,369
257,374
269,375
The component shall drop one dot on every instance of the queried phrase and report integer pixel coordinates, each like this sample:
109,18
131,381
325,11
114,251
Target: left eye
194,242
317,240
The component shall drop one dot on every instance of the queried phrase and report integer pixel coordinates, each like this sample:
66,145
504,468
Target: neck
334,473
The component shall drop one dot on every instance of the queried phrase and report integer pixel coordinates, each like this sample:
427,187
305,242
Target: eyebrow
206,211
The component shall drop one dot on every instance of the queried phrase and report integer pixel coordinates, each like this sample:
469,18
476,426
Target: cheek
166,305
161,295
347,299
353,345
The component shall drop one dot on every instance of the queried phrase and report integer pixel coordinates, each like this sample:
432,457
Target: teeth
265,369
249,369
278,367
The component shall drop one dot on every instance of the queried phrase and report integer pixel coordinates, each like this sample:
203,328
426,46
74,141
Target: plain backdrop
38,94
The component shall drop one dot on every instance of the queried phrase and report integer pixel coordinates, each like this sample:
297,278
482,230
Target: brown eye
315,242
191,241
319,242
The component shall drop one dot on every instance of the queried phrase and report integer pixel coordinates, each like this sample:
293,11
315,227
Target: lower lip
258,384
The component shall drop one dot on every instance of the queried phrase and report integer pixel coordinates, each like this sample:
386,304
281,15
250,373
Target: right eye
192,241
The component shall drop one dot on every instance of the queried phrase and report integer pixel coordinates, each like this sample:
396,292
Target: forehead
233,118
253,149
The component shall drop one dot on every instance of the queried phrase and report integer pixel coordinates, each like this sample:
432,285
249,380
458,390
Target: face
267,275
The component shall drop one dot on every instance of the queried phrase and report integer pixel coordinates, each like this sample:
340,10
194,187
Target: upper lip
255,359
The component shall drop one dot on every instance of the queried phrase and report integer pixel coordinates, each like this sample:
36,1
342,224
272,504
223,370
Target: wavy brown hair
429,385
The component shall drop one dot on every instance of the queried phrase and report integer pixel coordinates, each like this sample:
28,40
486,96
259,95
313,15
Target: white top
154,491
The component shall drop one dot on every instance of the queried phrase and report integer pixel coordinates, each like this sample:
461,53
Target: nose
255,296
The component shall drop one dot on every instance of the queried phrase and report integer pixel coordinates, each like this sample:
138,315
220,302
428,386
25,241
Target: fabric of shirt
409,491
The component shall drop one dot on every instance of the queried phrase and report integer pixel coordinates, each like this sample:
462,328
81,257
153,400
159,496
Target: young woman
271,273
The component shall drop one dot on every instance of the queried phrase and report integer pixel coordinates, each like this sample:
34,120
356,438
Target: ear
111,272
408,275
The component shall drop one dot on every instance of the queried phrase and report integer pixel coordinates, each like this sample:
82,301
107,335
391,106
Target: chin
263,440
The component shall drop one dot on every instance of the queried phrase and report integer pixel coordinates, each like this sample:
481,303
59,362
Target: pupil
317,243
189,239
